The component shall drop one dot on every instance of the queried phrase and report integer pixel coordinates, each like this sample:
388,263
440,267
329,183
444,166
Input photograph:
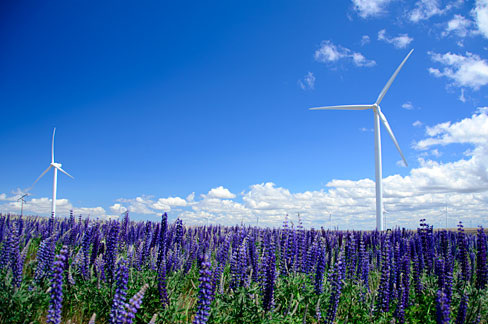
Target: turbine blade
388,84
42,174
388,128
52,146
344,107
69,175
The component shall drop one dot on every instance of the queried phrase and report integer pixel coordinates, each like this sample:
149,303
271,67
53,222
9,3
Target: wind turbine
56,166
378,115
22,203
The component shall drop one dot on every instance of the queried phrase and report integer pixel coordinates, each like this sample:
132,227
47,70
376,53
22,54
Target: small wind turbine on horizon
56,166
378,115
22,201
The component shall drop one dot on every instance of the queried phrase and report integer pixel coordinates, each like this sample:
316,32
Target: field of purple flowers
83,271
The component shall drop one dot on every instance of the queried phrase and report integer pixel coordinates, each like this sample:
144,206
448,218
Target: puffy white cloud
331,53
370,8
480,13
473,130
458,25
220,193
407,105
308,82
118,209
42,206
425,9
469,70
165,204
400,41
417,123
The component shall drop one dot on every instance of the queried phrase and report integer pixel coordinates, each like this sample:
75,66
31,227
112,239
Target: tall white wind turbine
378,115
56,166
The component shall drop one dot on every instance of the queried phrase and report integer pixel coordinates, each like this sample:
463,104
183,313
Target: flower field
69,270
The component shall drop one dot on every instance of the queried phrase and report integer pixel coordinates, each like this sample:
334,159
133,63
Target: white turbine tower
56,166
378,115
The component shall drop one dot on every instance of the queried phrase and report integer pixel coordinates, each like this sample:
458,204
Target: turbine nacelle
56,165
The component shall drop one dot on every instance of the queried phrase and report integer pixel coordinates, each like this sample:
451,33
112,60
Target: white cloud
401,163
461,96
480,13
42,206
473,130
421,193
417,123
458,25
365,40
425,9
308,82
400,41
465,71
220,193
331,53
370,8
407,105
364,129
118,209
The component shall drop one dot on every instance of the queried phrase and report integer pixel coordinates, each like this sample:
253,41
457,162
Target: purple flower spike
122,276
481,265
56,302
205,294
133,306
269,277
443,311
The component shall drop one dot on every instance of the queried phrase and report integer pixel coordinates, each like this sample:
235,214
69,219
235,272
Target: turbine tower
56,166
378,115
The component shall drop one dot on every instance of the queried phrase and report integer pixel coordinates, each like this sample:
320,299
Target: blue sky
201,109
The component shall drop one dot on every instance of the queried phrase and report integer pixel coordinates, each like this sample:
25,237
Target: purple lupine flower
253,258
481,265
465,273
6,252
443,311
162,239
133,306
16,262
163,295
85,247
269,277
301,247
384,289
45,258
178,232
96,244
110,255
337,282
417,273
118,304
463,308
400,310
238,266
319,270
204,294
283,247
56,302
350,256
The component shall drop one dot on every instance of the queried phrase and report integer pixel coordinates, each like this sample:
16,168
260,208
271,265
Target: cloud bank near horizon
461,186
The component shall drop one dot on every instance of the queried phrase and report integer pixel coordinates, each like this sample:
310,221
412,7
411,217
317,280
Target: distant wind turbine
56,166
378,115
22,199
